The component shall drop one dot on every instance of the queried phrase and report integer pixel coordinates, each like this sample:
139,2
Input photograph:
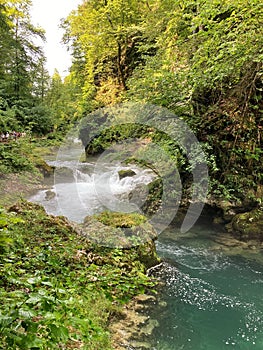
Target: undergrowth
58,290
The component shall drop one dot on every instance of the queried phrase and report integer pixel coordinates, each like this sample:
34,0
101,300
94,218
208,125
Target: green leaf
26,313
58,333
34,280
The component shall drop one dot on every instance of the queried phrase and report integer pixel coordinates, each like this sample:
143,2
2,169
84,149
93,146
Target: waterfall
82,189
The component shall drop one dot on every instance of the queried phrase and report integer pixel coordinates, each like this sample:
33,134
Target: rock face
248,225
154,198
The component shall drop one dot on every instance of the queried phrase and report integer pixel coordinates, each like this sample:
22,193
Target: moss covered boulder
123,230
248,225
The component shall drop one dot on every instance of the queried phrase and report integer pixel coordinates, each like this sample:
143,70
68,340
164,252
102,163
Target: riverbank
23,169
111,276
15,186
57,287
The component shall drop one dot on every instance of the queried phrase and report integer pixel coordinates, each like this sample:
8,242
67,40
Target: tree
106,37
61,100
23,77
209,69
201,59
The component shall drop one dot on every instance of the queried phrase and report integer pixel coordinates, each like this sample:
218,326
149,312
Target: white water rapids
84,189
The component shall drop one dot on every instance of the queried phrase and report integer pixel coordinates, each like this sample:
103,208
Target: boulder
49,195
118,230
247,225
126,173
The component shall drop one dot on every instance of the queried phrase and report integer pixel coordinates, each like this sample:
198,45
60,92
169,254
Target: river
213,293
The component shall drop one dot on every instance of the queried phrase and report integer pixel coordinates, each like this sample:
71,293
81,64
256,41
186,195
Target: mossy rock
154,197
148,255
122,220
248,225
44,168
126,173
120,230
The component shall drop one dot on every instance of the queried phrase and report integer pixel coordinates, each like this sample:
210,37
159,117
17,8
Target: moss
116,219
154,198
147,254
120,230
43,167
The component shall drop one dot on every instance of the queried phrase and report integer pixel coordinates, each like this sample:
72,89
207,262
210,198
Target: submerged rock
134,327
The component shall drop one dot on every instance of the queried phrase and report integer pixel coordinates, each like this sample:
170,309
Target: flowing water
213,295
81,188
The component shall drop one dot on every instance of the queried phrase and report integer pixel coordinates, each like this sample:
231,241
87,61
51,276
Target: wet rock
134,328
228,241
138,195
148,255
126,173
44,168
49,195
149,327
223,211
144,298
228,210
136,345
153,201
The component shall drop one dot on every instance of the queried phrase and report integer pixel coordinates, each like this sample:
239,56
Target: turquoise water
214,296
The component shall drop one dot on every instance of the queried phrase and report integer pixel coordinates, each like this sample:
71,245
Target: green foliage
40,120
25,154
6,220
208,69
201,60
107,39
59,290
15,157
61,102
115,133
